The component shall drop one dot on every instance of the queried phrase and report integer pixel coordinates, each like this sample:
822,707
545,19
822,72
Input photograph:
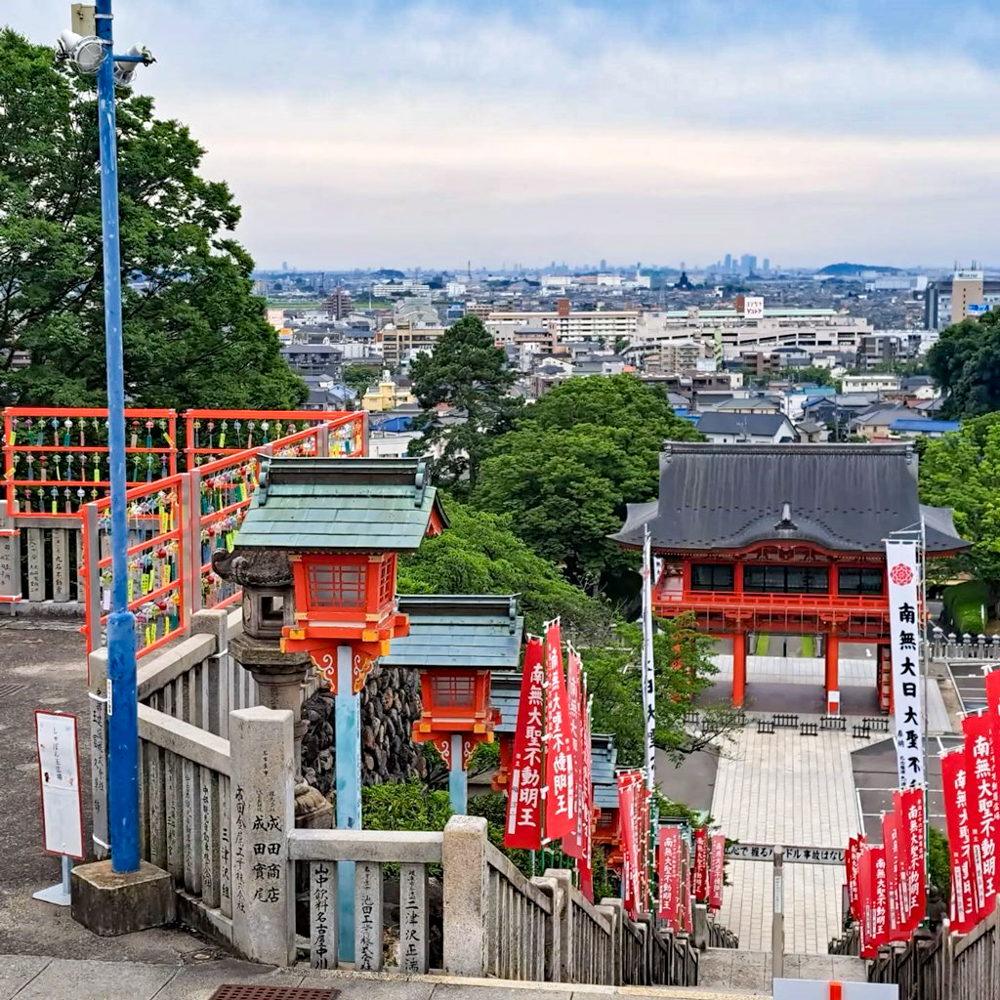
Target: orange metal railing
751,600
178,522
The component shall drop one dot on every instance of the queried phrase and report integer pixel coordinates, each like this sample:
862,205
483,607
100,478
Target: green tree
193,332
962,471
359,378
468,373
683,670
480,554
965,362
575,460
814,374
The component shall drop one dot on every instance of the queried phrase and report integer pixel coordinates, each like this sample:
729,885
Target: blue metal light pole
123,737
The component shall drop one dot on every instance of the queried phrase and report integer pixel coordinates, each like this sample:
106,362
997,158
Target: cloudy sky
409,133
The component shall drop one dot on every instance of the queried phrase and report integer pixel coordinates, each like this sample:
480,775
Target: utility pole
90,54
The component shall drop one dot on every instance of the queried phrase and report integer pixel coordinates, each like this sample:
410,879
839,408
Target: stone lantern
268,606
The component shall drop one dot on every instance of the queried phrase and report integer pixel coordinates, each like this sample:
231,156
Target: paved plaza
785,788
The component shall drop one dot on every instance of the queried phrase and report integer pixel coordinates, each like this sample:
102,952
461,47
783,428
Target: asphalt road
43,665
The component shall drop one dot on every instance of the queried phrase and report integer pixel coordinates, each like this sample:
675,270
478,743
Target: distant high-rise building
604,264
338,305
284,265
728,262
767,265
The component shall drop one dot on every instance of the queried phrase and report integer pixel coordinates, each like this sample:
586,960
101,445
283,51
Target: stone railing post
552,946
262,813
564,918
97,692
216,624
699,929
617,930
463,856
611,959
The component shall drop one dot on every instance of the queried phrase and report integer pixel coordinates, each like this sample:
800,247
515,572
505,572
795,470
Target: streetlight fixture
92,54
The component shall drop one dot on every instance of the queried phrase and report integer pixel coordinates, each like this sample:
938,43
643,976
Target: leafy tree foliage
466,371
965,362
576,458
962,471
359,378
811,374
194,335
683,670
480,554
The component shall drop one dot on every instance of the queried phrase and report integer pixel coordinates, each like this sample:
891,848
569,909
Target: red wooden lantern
456,701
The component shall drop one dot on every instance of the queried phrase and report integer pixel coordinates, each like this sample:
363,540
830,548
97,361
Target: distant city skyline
402,132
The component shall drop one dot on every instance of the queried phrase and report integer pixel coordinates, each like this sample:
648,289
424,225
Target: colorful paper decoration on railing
524,796
167,539
56,459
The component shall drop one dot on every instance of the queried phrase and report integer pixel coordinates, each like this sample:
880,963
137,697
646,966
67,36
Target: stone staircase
749,972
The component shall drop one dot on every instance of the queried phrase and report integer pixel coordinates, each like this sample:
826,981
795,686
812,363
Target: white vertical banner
648,682
904,632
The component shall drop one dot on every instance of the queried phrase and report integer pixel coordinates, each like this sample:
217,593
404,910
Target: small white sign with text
59,776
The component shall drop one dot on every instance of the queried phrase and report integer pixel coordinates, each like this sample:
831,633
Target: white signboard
795,855
59,776
904,632
811,989
753,307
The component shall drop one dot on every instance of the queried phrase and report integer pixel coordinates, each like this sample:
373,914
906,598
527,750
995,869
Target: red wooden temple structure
784,539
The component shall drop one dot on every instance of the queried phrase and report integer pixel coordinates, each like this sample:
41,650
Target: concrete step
735,969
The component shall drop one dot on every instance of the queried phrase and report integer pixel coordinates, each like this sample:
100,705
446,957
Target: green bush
403,805
965,606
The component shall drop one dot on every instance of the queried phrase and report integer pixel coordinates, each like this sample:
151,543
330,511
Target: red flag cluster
552,738
886,884
972,812
681,877
633,834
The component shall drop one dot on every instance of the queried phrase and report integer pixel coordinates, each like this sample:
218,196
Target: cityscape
499,500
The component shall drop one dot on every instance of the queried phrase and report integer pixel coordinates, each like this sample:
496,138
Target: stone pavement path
785,788
41,978
727,968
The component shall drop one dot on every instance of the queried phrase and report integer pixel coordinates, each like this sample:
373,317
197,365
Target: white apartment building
567,325
386,289
729,332
869,383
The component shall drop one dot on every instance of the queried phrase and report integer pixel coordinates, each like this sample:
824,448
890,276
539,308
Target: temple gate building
765,540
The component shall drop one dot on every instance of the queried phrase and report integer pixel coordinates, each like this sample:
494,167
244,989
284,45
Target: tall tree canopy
962,471
193,332
965,362
469,373
575,459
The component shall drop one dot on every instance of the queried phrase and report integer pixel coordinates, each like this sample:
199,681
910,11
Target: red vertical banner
866,901
701,865
982,811
893,876
573,842
669,876
993,708
954,775
716,870
629,786
909,806
560,803
587,805
851,864
880,898
524,809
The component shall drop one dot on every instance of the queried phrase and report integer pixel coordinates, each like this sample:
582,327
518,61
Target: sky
404,134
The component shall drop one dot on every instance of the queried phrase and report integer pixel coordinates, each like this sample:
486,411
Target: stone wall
390,704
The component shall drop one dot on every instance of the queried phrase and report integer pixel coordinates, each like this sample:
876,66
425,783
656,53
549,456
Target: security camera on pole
95,904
